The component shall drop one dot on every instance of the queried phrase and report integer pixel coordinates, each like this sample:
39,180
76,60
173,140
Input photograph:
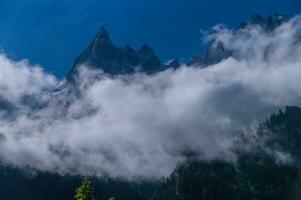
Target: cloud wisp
142,126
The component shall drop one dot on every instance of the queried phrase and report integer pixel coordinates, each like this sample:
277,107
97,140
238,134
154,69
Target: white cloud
142,126
17,79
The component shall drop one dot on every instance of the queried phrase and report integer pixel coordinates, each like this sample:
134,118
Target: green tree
85,191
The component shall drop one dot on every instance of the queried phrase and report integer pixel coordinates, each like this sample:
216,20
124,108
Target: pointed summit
102,36
102,40
145,49
103,54
148,60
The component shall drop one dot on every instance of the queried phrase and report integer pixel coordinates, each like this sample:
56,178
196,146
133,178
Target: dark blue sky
54,32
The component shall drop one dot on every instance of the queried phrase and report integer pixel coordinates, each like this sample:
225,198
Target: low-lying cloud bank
142,126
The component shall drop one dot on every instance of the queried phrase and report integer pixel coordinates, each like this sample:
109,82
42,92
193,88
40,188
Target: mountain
216,50
103,54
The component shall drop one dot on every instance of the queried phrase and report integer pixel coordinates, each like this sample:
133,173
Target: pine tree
85,191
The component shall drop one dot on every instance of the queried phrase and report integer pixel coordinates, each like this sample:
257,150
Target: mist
142,126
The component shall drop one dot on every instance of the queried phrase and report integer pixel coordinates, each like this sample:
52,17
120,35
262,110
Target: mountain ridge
111,59
102,54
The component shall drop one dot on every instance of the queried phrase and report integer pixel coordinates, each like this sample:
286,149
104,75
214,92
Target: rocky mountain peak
149,62
102,36
145,49
104,55
101,41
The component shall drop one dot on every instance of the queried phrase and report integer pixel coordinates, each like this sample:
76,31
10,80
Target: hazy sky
53,32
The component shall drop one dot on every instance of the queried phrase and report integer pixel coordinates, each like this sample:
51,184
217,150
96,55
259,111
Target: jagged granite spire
149,62
102,35
102,40
103,54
